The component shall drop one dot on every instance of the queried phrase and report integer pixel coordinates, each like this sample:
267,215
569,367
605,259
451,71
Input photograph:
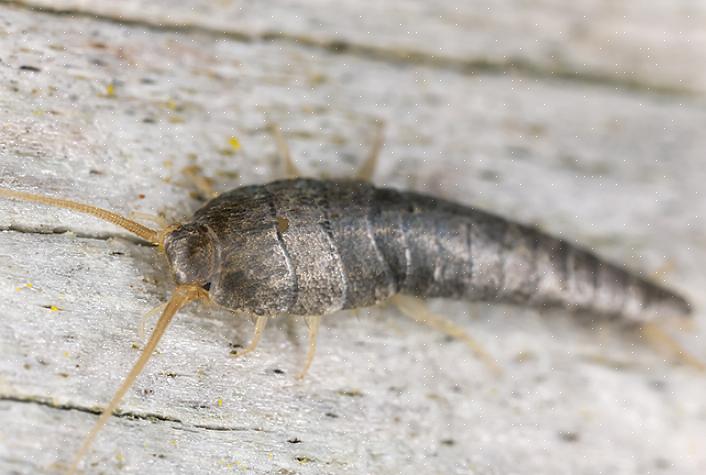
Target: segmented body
313,247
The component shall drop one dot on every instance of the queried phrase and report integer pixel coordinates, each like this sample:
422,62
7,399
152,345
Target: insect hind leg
418,311
665,343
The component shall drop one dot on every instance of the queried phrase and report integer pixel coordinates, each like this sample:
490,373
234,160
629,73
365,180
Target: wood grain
111,113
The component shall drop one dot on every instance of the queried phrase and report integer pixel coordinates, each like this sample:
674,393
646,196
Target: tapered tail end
659,304
680,306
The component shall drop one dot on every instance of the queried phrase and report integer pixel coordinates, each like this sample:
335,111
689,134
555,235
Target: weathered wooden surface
658,45
111,114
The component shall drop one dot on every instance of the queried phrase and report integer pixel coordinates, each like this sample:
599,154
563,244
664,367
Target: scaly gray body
313,247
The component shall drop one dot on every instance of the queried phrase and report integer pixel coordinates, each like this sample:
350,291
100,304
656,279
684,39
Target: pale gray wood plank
622,172
657,45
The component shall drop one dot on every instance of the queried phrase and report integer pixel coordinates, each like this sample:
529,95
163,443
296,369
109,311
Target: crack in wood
370,52
123,414
65,230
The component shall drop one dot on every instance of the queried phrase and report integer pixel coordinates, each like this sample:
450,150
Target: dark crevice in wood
65,230
40,401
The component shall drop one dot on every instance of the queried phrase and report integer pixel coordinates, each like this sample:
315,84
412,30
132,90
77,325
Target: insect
312,247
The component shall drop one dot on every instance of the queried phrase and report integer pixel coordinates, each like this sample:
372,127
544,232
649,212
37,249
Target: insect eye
206,286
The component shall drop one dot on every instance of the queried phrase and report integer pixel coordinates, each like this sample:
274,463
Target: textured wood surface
110,114
649,46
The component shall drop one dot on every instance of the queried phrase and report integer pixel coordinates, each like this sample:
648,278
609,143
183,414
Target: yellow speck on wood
282,224
234,142
110,90
54,308
66,354
171,104
220,402
225,463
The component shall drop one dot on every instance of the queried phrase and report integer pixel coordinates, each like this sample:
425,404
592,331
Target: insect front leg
260,324
203,184
313,323
367,170
418,311
289,168
149,314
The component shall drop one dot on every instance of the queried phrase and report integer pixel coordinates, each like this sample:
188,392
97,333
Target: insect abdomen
312,247
441,249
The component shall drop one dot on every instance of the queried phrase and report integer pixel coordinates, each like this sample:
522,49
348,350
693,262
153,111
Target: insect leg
416,310
203,184
313,322
181,296
290,169
367,170
259,328
661,340
147,316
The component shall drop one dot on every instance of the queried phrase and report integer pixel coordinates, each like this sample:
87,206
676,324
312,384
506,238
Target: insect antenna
182,295
155,237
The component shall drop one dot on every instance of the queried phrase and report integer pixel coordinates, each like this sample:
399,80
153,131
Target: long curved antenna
155,237
182,295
